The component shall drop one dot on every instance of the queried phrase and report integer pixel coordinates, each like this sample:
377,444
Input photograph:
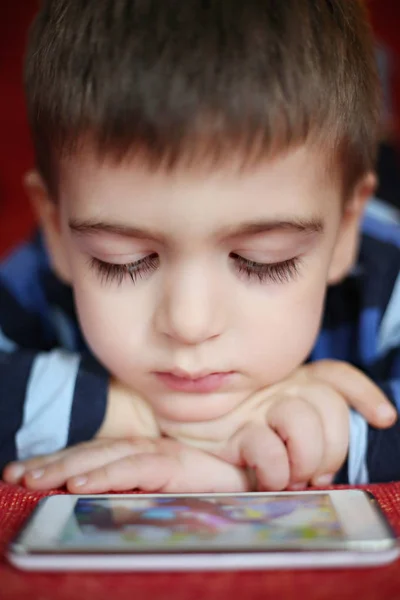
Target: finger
15,471
83,458
334,414
203,472
147,472
358,389
299,426
261,449
183,470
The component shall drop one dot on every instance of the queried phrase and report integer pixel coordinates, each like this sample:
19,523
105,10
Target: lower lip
202,385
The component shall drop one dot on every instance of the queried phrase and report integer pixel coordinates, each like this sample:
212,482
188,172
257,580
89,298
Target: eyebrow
97,227
305,226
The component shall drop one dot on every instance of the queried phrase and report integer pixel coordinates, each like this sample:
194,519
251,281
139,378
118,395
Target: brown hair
198,80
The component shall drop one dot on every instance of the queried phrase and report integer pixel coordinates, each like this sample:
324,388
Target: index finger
360,392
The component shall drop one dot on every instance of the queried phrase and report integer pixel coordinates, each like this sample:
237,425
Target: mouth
195,384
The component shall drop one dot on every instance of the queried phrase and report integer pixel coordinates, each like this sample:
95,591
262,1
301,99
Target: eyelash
282,272
139,269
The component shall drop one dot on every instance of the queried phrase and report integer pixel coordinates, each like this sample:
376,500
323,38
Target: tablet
153,532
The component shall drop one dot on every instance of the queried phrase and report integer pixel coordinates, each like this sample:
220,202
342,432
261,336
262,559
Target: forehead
297,183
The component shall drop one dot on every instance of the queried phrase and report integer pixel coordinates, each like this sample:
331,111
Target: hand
160,465
127,415
357,389
301,424
286,440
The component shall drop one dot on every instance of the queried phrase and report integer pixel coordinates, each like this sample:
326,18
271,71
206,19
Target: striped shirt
53,393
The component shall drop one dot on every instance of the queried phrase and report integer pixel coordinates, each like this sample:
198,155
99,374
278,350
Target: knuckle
297,411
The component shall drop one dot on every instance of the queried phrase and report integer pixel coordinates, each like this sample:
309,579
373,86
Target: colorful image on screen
192,522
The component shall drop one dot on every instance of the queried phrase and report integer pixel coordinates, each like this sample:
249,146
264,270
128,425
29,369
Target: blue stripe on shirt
369,323
357,457
334,343
19,273
6,345
383,212
384,232
394,386
389,333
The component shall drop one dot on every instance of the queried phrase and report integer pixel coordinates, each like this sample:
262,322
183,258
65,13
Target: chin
195,408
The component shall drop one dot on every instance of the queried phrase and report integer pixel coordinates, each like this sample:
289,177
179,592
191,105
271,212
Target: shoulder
381,228
20,272
361,321
379,258
380,272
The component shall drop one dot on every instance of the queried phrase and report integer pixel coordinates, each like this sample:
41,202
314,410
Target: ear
48,214
346,248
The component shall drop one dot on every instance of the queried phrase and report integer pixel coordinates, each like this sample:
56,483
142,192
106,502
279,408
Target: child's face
200,323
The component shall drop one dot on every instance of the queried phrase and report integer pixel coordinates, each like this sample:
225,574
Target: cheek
108,314
281,331
108,319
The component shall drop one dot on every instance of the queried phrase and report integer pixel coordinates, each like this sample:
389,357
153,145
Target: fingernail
386,412
323,480
36,473
16,471
80,481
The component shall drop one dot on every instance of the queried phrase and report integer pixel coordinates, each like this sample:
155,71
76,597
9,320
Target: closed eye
139,269
281,272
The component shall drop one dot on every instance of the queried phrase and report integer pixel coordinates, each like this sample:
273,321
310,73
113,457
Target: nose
188,310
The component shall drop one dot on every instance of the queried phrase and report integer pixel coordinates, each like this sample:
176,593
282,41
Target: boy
202,173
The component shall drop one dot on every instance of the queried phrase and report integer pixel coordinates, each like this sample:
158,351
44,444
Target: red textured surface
365,584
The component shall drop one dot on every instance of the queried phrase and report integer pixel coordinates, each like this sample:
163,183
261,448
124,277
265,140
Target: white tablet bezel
365,528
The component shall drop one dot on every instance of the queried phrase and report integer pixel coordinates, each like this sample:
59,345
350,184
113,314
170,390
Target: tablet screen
207,523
